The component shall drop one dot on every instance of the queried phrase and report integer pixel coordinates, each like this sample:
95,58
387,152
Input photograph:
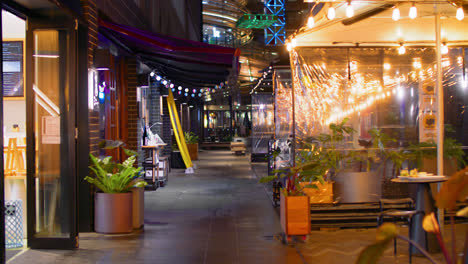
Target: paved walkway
218,215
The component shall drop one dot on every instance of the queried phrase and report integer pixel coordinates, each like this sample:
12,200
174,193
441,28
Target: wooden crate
295,214
324,193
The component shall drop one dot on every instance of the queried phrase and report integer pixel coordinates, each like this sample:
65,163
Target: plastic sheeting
282,85
377,87
262,122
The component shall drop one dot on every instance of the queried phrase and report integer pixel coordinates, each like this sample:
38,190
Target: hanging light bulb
401,49
396,14
460,13
310,22
413,12
331,13
349,9
293,42
444,49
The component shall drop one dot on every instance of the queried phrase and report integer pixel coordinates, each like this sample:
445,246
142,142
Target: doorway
40,130
14,132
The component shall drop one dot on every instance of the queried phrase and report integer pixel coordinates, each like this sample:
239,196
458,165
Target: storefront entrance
40,129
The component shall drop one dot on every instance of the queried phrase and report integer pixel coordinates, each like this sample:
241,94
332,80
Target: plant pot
358,187
138,198
193,151
295,214
113,213
324,193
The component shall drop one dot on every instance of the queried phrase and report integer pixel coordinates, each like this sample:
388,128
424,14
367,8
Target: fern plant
190,138
113,177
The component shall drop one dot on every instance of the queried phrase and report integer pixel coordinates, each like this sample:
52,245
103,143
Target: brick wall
132,110
91,16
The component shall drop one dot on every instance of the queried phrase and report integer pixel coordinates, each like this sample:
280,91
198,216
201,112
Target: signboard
13,81
427,112
50,130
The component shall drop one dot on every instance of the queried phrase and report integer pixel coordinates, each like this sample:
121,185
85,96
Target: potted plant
192,144
294,203
425,154
114,202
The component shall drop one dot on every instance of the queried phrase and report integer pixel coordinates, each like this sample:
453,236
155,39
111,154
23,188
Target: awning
373,26
189,62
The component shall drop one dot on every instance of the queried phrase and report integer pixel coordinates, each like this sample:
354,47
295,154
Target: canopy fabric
190,62
381,30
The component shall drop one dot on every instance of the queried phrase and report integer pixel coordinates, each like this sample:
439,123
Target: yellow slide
179,134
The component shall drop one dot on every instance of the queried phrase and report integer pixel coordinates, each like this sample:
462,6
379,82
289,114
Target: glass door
50,102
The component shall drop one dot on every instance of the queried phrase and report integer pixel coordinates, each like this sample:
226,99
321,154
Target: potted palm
192,144
114,202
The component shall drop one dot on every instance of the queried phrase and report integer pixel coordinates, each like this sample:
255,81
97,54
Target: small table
424,202
155,155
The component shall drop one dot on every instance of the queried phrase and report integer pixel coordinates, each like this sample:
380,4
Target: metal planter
113,213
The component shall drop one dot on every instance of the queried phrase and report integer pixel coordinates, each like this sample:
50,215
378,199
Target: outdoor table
424,202
155,156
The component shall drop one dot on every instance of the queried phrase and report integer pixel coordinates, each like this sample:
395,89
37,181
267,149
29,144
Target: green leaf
130,152
268,179
372,253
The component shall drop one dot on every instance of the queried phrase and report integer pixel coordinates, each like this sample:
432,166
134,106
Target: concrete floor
219,215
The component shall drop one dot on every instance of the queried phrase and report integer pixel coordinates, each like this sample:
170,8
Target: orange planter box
193,151
295,214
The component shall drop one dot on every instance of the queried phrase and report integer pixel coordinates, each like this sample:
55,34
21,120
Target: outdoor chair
386,211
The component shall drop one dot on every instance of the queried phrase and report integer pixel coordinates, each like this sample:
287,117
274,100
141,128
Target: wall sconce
102,59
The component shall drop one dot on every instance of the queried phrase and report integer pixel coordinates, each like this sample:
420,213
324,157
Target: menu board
13,83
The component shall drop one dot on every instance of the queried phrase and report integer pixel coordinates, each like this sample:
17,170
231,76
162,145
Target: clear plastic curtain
262,122
282,86
377,87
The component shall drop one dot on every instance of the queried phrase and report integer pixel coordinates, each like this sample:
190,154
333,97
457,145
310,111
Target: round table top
420,179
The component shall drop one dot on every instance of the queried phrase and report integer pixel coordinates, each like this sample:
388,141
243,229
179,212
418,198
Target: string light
331,13
413,12
152,74
158,78
396,14
444,48
349,9
310,22
460,13
180,88
401,49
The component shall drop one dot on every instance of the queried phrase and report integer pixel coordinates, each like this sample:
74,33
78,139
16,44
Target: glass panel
50,108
